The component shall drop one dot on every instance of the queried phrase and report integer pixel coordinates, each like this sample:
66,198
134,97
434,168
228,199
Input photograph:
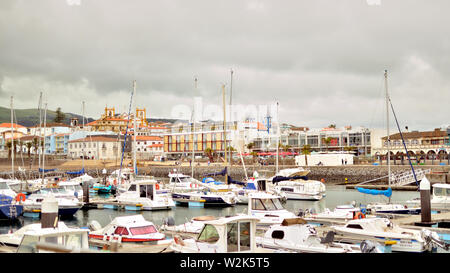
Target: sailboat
387,207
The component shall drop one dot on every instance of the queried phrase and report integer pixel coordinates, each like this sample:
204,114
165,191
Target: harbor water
335,195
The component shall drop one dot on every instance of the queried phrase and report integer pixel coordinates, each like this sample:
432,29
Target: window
232,240
142,230
278,234
121,231
209,234
354,226
257,204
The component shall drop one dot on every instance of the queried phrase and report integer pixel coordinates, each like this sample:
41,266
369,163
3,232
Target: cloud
322,60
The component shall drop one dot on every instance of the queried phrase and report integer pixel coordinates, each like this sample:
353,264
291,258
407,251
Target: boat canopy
79,172
277,179
46,170
222,173
386,193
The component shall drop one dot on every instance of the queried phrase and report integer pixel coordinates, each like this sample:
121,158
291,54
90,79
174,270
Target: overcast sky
323,61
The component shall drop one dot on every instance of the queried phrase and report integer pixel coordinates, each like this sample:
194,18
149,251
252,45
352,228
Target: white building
95,147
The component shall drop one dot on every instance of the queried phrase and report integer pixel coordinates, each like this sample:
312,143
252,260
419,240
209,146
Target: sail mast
278,138
387,130
134,129
13,149
82,110
43,154
225,131
193,132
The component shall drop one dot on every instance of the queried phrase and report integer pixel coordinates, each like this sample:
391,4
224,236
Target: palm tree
9,146
327,141
29,145
209,153
306,150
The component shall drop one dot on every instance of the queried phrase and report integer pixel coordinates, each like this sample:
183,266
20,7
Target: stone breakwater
331,174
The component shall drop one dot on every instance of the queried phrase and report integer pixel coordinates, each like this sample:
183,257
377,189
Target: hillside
30,117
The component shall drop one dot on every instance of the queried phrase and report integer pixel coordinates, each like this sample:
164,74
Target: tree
251,145
327,141
332,126
9,146
209,153
29,145
306,150
60,116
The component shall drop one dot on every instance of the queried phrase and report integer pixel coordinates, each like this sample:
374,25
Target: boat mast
387,130
39,151
278,138
231,96
134,128
12,140
224,132
43,154
82,149
193,131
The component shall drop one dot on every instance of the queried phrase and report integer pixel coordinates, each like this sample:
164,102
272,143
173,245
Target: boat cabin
224,235
441,191
62,236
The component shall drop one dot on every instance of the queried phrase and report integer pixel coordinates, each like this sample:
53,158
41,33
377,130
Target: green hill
30,117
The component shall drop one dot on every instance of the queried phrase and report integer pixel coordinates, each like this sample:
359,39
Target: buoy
359,215
20,197
157,186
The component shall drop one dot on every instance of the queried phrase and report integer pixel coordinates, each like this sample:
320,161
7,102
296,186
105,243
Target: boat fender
178,240
359,215
76,194
20,197
94,225
363,211
157,186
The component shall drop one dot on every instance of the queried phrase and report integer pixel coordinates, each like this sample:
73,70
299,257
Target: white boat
142,194
225,235
68,204
267,208
440,197
179,182
194,226
5,188
296,235
28,237
293,183
134,228
340,213
373,208
407,240
205,198
72,187
254,185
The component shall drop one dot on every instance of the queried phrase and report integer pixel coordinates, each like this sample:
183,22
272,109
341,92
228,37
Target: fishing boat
267,208
298,236
68,204
224,235
133,228
10,208
340,213
407,240
142,194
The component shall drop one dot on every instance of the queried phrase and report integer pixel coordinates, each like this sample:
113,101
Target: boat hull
10,212
206,201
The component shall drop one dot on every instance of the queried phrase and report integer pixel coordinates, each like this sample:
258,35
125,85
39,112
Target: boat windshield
266,204
209,234
441,191
3,186
143,230
184,179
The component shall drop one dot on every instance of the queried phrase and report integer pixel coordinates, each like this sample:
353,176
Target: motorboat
267,208
340,213
254,184
234,234
179,182
298,236
205,198
72,187
373,208
35,239
68,204
133,228
440,197
34,231
296,186
10,208
407,240
194,226
142,194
